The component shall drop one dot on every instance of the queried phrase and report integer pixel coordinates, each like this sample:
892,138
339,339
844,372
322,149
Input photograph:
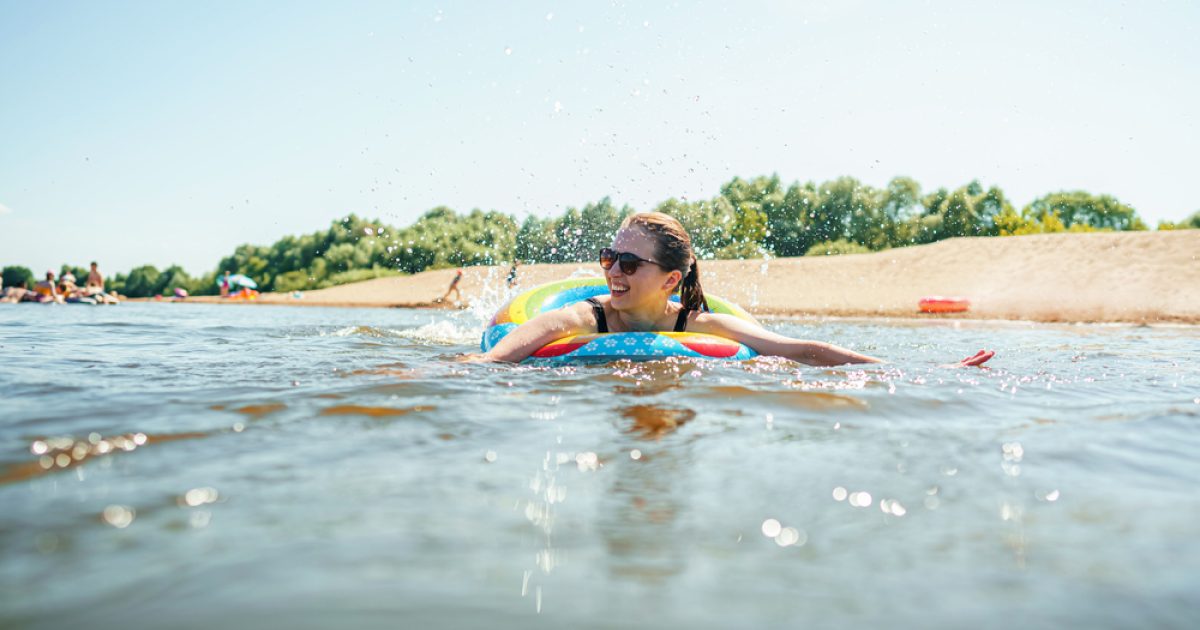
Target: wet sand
1143,277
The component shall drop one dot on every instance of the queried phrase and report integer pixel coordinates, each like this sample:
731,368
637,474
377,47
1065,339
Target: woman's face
646,285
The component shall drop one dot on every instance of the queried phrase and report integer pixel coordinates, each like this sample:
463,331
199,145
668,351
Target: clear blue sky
170,132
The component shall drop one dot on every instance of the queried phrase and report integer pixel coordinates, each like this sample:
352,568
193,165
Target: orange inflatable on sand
939,304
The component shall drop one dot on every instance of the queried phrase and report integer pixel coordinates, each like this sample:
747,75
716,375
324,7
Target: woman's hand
976,360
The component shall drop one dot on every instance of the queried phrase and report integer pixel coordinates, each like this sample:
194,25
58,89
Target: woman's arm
768,343
817,353
537,332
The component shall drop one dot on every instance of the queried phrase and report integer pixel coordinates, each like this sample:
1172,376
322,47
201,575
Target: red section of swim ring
716,349
558,349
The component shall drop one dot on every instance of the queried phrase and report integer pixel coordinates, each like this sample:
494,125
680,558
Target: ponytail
691,294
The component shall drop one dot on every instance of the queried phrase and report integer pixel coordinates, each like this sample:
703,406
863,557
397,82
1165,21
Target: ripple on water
387,462
374,411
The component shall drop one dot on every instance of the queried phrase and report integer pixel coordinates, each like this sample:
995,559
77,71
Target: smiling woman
650,261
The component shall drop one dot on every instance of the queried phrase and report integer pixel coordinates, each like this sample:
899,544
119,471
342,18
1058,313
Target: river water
188,465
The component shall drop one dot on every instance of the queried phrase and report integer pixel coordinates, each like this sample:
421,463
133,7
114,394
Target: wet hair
673,249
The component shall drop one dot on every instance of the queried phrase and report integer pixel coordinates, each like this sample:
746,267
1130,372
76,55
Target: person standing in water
512,274
650,260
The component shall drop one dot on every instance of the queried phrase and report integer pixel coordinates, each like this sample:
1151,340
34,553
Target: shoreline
1104,277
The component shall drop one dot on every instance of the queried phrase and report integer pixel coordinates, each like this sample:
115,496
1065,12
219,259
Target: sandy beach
1140,277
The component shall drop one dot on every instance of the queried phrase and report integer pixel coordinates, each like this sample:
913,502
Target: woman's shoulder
712,323
574,315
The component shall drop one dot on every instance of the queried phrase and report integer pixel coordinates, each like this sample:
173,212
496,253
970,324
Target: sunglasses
628,262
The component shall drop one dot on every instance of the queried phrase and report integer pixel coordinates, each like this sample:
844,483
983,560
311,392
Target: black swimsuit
602,322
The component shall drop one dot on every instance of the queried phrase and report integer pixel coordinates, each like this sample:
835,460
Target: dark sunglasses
628,262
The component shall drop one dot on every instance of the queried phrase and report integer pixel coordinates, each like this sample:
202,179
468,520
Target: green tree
1190,223
837,248
171,278
533,240
141,282
830,218
16,274
1078,207
13,275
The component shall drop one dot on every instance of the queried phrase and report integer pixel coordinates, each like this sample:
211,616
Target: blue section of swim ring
494,334
640,346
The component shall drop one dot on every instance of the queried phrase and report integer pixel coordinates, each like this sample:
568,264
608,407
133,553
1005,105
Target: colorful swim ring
610,346
939,304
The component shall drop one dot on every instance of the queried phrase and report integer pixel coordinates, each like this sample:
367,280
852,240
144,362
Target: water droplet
839,494
118,516
771,528
200,496
788,536
508,50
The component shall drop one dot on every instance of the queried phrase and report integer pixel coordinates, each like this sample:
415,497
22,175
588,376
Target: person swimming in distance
650,260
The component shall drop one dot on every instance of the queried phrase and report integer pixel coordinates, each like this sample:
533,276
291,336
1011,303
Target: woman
47,291
650,259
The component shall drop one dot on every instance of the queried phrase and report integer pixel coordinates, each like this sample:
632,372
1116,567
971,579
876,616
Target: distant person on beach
94,288
67,283
512,274
47,291
95,280
225,285
453,288
18,293
650,260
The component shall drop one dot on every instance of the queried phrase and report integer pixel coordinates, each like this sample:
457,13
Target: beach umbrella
239,279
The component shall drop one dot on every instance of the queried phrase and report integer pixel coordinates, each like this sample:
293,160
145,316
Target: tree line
750,218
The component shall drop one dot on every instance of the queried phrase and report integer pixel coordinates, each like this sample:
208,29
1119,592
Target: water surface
185,465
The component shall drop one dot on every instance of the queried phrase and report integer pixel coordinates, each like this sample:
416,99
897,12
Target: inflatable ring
939,304
610,346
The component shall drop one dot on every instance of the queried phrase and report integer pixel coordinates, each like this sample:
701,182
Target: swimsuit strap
598,311
681,322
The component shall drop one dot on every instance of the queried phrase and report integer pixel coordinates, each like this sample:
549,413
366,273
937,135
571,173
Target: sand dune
1099,277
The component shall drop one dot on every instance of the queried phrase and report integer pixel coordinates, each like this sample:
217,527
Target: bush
836,248
292,281
14,275
357,275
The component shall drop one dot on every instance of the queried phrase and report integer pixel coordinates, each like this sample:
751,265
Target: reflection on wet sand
61,453
655,421
373,412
